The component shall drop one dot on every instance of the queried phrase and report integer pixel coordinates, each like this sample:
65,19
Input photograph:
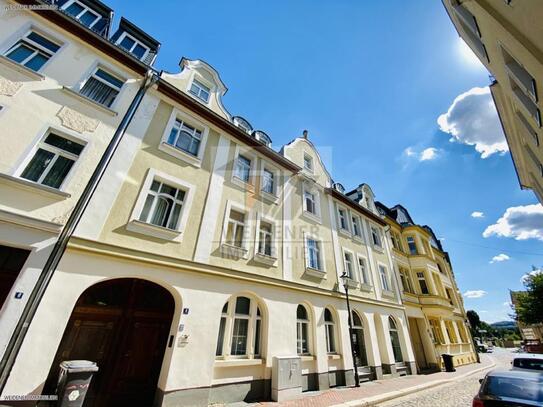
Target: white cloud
472,119
475,294
428,154
519,222
499,258
477,214
531,273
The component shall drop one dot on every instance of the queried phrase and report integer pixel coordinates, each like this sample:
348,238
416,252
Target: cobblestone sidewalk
380,390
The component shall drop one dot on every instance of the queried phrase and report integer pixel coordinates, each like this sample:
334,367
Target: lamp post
345,280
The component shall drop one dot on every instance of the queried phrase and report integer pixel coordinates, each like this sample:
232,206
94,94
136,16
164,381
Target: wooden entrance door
416,341
123,326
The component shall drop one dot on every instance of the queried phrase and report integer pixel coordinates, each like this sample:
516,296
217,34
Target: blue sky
369,80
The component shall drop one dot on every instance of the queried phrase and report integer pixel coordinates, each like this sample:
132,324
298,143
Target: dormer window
130,44
308,162
82,13
200,90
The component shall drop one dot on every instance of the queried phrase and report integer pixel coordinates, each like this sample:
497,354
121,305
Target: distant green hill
504,325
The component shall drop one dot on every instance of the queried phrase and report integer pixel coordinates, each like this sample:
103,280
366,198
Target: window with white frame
363,270
302,330
412,245
422,283
185,137
52,160
330,328
348,265
242,168
32,51
265,239
308,162
200,90
356,226
130,44
395,340
343,220
268,181
406,280
102,87
163,205
314,258
376,237
310,202
383,274
235,230
242,318
82,13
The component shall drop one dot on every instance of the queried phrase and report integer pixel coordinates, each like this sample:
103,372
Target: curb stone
371,401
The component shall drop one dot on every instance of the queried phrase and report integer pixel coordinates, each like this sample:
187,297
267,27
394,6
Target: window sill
315,273
307,358
21,68
88,101
246,186
388,293
379,249
159,232
238,362
271,198
233,251
358,239
33,187
265,259
352,284
312,217
366,287
180,154
334,356
345,232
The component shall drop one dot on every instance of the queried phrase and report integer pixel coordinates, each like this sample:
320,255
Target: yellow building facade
508,39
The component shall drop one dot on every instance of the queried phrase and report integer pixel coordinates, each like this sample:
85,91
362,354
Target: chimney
305,133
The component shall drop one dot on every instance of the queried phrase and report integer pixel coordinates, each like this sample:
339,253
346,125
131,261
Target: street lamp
345,280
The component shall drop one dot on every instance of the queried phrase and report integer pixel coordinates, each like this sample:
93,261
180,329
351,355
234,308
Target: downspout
18,336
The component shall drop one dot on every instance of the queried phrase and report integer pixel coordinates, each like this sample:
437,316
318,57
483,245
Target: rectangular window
130,44
308,163
461,331
422,283
242,168
313,254
412,245
342,214
520,75
82,13
52,161
376,238
310,202
268,182
396,241
235,229
363,270
265,239
348,264
102,87
356,226
384,278
163,205
200,90
302,336
406,281
32,51
450,296
436,330
185,137
450,332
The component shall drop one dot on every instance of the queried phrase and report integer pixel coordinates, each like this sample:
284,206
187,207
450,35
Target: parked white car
527,361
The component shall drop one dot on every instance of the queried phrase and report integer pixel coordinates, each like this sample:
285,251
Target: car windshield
528,363
516,388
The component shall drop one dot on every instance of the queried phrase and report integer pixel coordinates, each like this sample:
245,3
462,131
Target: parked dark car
507,388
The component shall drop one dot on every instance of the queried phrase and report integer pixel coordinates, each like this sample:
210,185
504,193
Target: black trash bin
74,382
448,362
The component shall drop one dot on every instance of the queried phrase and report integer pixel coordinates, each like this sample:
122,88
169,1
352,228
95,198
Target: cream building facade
507,37
204,252
433,303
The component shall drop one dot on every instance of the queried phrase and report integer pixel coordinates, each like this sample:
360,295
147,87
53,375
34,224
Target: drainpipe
18,336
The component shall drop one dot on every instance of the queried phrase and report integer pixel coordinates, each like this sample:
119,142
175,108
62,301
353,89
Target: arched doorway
123,325
395,340
359,342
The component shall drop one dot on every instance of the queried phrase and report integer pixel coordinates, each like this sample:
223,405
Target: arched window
240,328
302,330
329,326
358,340
395,340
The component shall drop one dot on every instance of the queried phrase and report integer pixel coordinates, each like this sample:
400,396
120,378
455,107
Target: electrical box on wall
286,377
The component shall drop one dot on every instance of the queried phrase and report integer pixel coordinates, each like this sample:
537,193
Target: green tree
473,318
529,303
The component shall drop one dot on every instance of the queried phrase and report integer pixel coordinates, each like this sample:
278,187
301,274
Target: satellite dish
242,124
